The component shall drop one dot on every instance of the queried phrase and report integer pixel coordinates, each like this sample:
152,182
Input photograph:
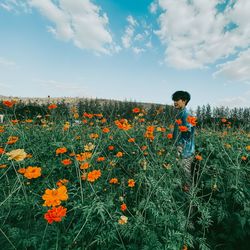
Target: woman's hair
183,95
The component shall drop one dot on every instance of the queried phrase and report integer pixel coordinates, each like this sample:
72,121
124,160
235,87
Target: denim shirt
184,139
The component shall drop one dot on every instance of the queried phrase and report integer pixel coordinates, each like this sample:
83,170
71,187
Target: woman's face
180,104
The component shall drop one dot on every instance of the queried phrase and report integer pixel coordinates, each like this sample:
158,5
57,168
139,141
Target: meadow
92,180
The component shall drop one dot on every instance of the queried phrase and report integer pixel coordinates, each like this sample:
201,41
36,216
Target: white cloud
127,37
137,50
194,32
236,70
15,6
136,35
149,44
79,21
153,7
6,6
129,32
132,21
235,102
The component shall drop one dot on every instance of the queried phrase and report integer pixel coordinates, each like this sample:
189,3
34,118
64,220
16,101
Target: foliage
213,214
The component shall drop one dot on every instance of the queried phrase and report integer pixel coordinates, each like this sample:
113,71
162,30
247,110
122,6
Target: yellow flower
88,147
17,155
123,220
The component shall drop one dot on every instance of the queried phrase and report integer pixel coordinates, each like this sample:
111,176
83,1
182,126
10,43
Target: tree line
206,115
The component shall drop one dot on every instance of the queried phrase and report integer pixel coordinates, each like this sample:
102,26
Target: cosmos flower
55,214
17,155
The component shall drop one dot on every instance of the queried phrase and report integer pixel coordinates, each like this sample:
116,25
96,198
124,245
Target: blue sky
140,50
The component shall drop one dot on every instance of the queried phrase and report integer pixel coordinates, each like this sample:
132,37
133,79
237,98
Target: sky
135,50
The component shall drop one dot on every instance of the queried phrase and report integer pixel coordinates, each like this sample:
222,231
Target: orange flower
105,130
248,148
52,106
183,128
85,165
2,129
8,103
136,110
88,115
84,121
223,120
119,154
32,172
113,181
131,183
123,207
66,126
84,176
3,166
94,175
12,140
171,126
55,214
21,170
83,156
144,147
28,120
76,115
66,162
131,140
149,133
184,247
192,120
15,121
111,147
243,158
93,136
198,157
123,124
170,136
98,115
179,121
55,196
61,150
150,128
103,120
62,182
2,151
101,158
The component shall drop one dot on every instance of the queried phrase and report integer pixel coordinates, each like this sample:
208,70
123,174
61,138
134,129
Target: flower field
96,182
